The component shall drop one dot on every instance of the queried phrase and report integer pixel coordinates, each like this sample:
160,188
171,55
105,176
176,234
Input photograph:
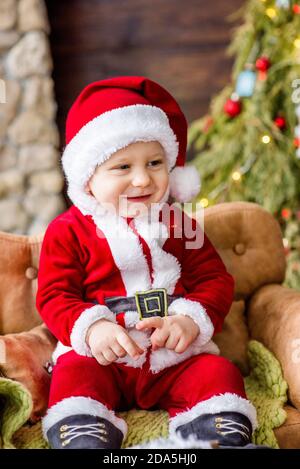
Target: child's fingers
101,359
129,345
172,342
181,346
109,355
159,338
150,323
118,349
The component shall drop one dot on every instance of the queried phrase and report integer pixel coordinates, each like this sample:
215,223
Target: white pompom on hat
109,115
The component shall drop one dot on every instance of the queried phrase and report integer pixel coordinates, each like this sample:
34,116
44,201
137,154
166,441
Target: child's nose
141,178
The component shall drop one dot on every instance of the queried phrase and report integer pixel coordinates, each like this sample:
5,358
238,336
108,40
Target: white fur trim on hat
185,183
104,135
80,405
197,312
85,320
227,402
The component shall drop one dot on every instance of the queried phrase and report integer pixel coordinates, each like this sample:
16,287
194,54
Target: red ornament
280,122
263,63
297,142
286,213
296,9
232,107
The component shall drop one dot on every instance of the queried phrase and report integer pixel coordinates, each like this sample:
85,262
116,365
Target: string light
236,176
204,202
271,12
266,139
297,42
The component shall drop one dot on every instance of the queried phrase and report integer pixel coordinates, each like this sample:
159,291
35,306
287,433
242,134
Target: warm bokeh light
271,12
236,176
266,139
204,202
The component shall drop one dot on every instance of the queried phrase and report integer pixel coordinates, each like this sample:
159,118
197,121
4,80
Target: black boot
84,431
231,429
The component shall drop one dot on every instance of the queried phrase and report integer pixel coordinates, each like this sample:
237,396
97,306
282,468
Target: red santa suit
90,255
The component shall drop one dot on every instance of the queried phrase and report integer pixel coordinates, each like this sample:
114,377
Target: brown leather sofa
249,241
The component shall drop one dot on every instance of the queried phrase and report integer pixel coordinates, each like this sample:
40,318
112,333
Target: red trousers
121,387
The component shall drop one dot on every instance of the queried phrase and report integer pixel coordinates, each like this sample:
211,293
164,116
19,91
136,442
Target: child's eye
157,162
123,166
126,166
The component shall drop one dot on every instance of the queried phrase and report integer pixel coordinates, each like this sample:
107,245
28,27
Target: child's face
136,170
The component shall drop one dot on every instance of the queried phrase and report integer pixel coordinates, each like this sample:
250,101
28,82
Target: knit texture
265,388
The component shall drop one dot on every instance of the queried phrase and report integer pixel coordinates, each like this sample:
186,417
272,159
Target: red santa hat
109,115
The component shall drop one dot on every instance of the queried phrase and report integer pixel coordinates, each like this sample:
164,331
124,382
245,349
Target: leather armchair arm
274,319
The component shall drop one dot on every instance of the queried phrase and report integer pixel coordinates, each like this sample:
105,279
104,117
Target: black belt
148,303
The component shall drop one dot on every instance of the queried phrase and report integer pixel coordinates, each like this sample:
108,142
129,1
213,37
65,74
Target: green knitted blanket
265,388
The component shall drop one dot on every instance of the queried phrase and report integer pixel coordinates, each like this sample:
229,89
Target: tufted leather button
31,273
239,249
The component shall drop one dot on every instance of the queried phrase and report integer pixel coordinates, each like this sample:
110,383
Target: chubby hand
109,342
173,332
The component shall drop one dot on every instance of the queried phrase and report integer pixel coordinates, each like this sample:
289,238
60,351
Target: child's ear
87,188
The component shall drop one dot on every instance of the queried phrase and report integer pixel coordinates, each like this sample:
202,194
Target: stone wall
31,179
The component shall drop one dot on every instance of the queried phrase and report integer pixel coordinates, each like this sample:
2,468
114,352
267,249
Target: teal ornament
245,83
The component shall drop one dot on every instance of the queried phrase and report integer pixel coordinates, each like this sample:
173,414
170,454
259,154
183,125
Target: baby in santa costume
133,304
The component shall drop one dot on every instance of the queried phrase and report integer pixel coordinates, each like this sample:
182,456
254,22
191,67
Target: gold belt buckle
151,303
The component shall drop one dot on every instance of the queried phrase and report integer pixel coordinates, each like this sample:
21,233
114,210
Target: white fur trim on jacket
59,350
163,357
185,183
85,320
166,267
227,402
104,135
131,318
80,405
197,312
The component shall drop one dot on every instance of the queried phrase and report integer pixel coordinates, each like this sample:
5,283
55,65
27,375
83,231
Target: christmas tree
248,146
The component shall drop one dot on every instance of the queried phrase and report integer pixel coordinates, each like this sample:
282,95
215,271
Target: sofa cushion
19,260
249,240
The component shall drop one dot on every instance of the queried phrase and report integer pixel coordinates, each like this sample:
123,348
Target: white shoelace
73,431
226,424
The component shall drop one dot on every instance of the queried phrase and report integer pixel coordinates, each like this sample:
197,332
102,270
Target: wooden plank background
180,44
